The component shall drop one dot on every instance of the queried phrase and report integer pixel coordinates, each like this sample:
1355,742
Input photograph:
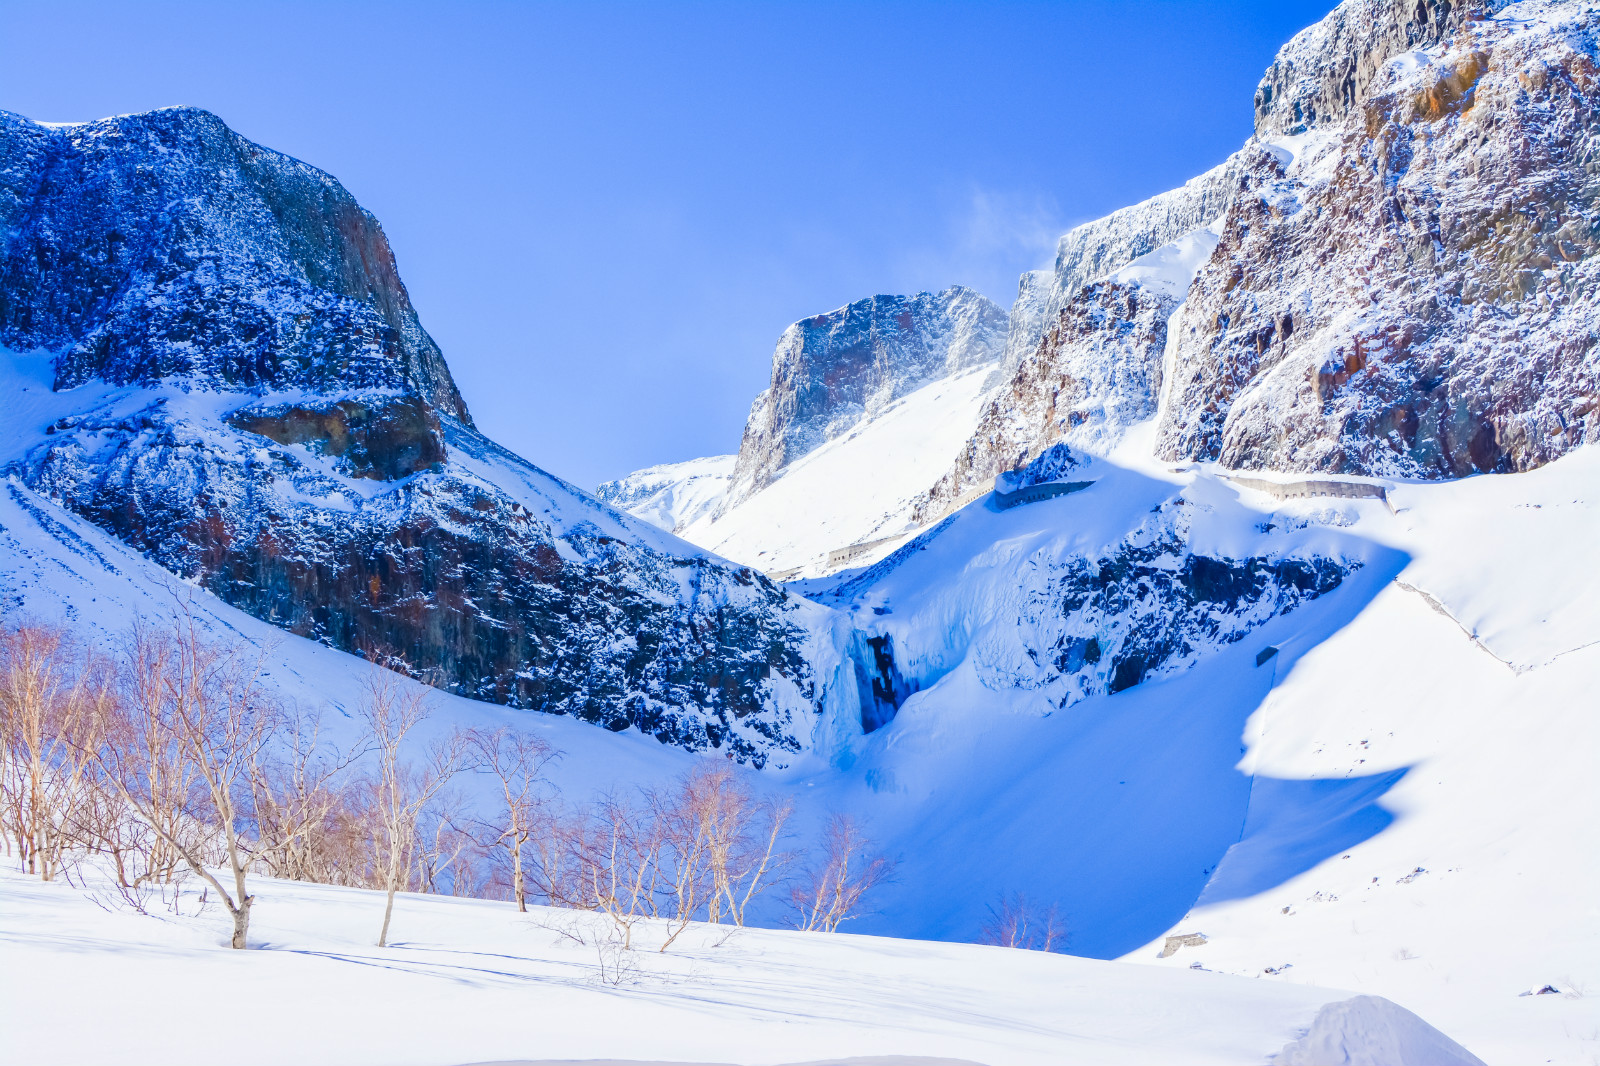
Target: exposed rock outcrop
1411,287
1323,73
1095,249
1065,618
164,245
1097,371
834,371
386,439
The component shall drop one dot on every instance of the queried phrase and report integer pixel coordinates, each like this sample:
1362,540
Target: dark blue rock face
165,245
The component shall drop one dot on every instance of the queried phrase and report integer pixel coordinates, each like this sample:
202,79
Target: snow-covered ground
474,981
1284,810
855,488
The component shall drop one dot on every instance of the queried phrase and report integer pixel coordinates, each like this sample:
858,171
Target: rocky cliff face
1096,372
164,245
251,401
1095,249
1068,603
1398,278
834,371
1409,286
1322,74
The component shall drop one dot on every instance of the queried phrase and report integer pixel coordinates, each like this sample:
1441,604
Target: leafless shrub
1013,923
831,891
303,804
54,701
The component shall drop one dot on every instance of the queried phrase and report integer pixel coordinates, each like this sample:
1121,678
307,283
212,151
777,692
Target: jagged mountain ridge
242,390
1461,341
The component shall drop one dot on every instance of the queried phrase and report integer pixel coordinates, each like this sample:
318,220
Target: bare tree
618,852
401,789
300,799
517,760
1014,924
196,717
831,891
683,821
54,700
742,836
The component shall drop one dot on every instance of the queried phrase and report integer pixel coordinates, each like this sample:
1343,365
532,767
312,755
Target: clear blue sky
606,213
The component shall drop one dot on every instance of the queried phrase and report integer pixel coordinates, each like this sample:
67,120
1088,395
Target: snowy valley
1229,607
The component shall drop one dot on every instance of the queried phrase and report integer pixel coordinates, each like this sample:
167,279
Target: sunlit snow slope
855,488
1435,712
473,981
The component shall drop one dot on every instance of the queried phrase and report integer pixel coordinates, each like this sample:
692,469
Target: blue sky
606,213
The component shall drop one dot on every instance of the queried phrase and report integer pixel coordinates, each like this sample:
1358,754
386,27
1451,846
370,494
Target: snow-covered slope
858,487
672,495
471,981
1434,710
833,371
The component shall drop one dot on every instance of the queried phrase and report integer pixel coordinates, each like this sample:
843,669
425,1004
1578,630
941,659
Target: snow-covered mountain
672,496
834,371
225,372
1332,733
865,402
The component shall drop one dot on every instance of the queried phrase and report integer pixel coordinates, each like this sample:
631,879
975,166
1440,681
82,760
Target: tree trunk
388,909
241,922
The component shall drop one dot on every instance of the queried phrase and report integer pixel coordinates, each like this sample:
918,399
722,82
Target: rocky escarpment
164,245
1409,286
254,405
384,439
834,371
1322,74
1095,249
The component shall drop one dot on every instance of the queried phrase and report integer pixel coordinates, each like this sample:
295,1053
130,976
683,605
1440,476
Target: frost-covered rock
244,393
834,371
164,245
672,496
1097,249
1094,374
1408,286
1327,69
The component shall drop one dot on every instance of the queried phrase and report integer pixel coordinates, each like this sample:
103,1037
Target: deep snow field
473,981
